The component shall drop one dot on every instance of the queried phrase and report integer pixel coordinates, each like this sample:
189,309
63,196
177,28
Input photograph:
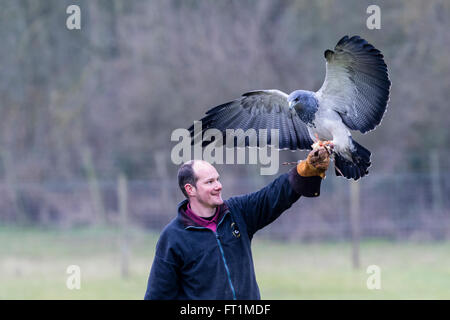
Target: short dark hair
186,175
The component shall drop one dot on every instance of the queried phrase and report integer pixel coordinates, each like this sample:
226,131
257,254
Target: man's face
208,187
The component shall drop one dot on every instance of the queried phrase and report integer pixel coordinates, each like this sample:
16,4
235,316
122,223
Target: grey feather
261,109
356,83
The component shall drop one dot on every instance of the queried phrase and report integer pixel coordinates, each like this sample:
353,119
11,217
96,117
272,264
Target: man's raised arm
262,207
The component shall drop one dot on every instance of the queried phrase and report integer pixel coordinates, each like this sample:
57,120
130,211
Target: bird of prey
353,96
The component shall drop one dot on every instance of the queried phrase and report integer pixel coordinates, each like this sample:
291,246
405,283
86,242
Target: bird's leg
337,169
328,145
318,143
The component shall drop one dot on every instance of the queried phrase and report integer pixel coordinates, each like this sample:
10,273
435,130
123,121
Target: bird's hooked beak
291,104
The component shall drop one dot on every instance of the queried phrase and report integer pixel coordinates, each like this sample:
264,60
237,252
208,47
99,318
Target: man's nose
218,186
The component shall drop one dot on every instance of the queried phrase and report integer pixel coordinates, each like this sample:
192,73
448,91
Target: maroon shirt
202,222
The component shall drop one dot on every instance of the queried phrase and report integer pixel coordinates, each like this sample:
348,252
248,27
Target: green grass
33,265
324,271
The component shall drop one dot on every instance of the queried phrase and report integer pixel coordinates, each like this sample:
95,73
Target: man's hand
315,164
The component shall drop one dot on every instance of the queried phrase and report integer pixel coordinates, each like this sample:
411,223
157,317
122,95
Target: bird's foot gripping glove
316,164
328,145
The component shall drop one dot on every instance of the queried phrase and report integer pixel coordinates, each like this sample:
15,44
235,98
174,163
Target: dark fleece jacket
193,262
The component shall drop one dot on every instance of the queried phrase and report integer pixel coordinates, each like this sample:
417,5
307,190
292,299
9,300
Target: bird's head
304,103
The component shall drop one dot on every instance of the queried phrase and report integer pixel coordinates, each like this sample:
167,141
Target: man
205,253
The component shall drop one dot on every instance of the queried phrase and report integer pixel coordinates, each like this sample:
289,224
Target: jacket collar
188,222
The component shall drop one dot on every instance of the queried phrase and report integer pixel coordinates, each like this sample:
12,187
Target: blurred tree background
80,107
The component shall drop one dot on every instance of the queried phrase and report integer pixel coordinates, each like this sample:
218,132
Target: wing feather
356,83
262,109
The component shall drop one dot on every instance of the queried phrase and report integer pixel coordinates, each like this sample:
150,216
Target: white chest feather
328,126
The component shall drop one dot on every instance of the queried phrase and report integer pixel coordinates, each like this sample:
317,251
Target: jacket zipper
221,252
226,266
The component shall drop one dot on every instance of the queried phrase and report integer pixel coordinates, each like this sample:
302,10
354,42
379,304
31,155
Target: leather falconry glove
316,164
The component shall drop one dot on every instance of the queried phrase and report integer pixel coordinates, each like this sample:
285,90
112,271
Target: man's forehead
204,170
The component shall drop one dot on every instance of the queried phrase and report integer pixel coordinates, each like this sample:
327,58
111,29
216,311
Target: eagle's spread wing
262,109
356,83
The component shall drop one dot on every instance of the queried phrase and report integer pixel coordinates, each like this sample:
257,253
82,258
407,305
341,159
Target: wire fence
401,206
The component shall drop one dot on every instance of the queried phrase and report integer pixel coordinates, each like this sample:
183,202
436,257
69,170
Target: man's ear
190,189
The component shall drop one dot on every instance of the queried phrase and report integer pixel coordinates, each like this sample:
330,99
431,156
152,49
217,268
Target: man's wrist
305,186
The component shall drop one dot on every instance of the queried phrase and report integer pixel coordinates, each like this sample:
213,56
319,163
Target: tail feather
356,168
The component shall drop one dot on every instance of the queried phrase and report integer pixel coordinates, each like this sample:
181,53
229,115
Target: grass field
33,265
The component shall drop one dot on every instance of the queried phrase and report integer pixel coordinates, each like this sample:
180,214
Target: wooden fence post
163,173
122,193
11,185
354,222
435,185
94,187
